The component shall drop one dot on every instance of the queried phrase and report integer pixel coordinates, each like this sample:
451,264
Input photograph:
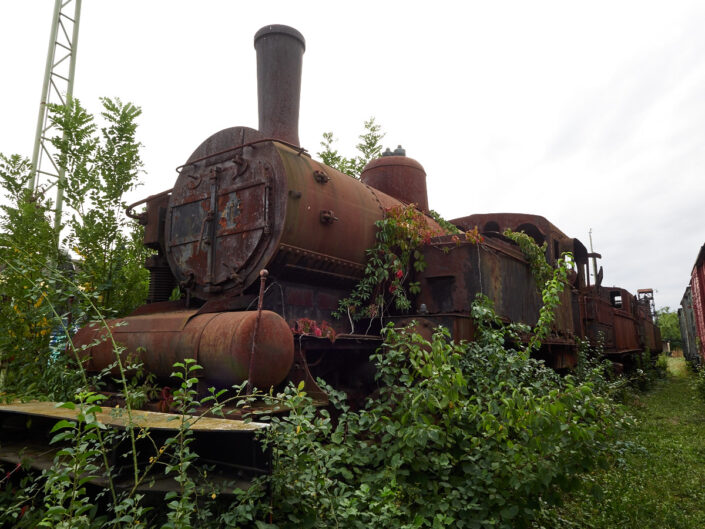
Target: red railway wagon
692,312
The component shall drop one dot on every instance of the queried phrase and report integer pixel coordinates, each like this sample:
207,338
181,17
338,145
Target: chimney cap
282,30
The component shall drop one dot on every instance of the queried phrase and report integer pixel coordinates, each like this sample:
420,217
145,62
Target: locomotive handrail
300,150
131,214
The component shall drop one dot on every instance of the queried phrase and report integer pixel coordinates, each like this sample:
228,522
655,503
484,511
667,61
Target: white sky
591,114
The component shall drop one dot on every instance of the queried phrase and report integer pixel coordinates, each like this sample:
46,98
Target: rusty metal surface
120,417
161,280
626,337
537,227
153,220
220,342
513,221
344,364
130,210
248,199
294,300
236,210
223,221
228,220
651,336
456,272
336,247
613,313
697,306
280,51
159,307
400,177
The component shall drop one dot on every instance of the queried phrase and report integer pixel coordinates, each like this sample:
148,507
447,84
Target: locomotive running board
228,445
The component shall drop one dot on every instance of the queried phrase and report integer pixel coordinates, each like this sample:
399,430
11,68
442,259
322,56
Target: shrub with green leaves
475,434
27,255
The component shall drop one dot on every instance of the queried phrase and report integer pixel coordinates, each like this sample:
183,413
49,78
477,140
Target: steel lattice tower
58,89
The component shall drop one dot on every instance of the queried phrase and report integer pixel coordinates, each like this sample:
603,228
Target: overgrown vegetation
101,255
103,165
467,435
400,236
26,250
550,282
459,434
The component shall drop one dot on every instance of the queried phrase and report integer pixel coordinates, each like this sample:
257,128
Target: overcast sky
591,114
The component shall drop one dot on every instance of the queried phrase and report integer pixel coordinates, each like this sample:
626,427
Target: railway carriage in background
691,313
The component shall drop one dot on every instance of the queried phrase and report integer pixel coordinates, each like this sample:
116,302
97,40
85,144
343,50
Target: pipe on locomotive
280,52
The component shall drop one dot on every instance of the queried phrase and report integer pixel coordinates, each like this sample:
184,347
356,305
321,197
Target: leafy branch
550,282
400,236
370,147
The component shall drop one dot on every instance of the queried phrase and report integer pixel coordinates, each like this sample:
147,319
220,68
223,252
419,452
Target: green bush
43,289
459,435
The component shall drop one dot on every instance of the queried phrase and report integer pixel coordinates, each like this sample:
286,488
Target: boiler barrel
220,342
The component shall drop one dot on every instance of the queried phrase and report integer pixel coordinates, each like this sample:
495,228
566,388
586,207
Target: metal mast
58,89
594,257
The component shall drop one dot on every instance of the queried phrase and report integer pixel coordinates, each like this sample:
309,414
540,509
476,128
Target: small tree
27,249
38,283
370,147
101,168
668,322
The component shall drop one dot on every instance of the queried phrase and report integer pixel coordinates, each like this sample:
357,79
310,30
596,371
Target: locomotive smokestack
280,51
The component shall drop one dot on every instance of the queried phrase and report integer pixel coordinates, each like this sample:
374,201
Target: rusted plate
456,272
535,225
220,228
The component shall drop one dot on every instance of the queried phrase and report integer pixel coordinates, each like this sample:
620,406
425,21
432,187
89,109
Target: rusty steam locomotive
250,200
258,235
